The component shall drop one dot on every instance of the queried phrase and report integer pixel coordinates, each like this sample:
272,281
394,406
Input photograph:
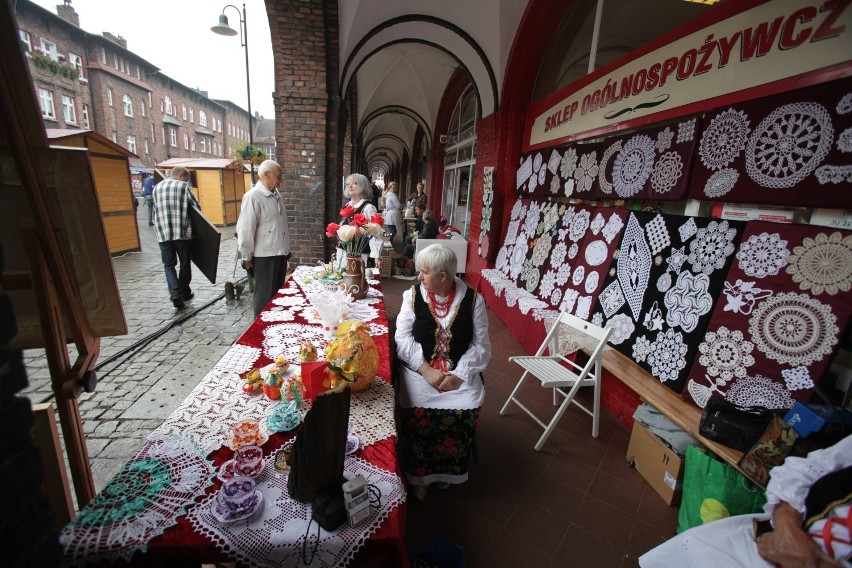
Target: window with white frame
85,112
142,106
27,40
173,136
192,143
109,96
103,55
163,134
48,48
128,106
147,150
185,141
115,60
153,134
203,144
77,62
169,109
138,73
115,136
202,118
69,109
228,125
45,101
131,143
183,110
192,115
150,100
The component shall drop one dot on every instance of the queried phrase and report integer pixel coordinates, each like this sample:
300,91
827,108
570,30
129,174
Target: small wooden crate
387,259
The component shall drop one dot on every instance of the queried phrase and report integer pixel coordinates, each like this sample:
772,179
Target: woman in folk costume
360,194
443,346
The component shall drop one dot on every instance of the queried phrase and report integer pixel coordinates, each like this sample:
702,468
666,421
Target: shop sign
769,42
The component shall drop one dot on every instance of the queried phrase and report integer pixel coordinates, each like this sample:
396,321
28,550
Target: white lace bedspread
274,536
217,403
147,496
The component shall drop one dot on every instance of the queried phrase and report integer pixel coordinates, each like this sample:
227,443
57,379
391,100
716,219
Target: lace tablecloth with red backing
275,535
217,402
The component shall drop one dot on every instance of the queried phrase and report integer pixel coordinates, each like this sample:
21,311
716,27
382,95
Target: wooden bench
682,413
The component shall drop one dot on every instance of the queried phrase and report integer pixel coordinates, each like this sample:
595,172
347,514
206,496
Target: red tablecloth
181,543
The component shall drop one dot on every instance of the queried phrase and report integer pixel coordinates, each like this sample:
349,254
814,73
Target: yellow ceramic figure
352,356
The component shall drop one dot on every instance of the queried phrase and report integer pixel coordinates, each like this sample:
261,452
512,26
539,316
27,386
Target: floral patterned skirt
436,444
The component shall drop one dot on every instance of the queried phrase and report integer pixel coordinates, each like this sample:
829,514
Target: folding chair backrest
597,334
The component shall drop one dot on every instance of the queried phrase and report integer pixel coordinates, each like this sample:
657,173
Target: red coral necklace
442,307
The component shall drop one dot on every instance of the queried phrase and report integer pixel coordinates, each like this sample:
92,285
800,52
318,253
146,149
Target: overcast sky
175,36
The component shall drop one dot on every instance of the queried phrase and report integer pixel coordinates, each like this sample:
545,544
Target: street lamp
222,28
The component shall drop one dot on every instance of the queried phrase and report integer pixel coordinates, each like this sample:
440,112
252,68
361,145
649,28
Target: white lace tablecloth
274,536
146,497
218,403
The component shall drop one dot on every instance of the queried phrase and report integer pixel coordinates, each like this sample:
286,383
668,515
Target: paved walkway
139,389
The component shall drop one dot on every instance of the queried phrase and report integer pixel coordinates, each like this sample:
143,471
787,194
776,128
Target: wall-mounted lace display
777,323
789,149
490,224
659,293
649,164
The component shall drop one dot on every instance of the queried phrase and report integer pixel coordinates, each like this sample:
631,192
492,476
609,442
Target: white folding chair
558,373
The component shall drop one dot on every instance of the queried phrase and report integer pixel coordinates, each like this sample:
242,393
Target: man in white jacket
263,235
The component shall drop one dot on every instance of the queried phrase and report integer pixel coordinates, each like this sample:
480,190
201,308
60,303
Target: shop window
69,109
45,101
624,26
459,159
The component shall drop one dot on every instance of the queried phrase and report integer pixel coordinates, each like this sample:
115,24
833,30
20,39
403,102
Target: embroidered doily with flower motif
726,354
763,255
149,493
822,264
793,328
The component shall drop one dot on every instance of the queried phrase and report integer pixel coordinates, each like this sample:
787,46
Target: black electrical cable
130,349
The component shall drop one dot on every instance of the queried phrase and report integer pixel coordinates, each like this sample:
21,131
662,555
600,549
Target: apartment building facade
91,81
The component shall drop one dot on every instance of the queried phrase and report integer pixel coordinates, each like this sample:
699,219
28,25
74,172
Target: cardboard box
658,463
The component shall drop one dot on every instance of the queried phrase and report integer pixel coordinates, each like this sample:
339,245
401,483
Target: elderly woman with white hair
360,194
443,346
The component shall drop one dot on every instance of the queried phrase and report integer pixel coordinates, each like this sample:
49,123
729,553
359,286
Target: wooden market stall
110,166
218,183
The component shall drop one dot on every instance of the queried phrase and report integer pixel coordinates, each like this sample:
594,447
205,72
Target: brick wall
69,40
304,43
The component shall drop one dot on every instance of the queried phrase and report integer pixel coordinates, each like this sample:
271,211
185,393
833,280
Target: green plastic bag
713,490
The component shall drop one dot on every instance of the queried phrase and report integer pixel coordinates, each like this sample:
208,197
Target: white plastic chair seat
555,372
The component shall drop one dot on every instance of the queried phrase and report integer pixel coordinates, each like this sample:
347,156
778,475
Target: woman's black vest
426,327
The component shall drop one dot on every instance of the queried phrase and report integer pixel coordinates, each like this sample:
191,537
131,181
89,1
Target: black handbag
732,425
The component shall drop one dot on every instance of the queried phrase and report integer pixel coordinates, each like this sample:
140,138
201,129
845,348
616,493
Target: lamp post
223,28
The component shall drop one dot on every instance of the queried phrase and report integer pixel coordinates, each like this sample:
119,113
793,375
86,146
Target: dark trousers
269,275
149,201
171,252
392,231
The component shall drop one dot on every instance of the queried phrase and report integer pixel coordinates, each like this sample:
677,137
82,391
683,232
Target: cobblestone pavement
137,391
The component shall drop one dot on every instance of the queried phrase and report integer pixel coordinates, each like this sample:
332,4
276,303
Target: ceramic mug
247,460
238,494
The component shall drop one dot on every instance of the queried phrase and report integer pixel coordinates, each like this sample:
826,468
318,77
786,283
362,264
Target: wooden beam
46,439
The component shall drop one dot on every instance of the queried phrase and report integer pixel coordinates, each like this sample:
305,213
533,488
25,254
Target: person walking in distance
148,194
172,199
263,235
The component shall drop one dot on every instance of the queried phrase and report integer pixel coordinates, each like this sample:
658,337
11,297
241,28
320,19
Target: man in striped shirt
172,200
